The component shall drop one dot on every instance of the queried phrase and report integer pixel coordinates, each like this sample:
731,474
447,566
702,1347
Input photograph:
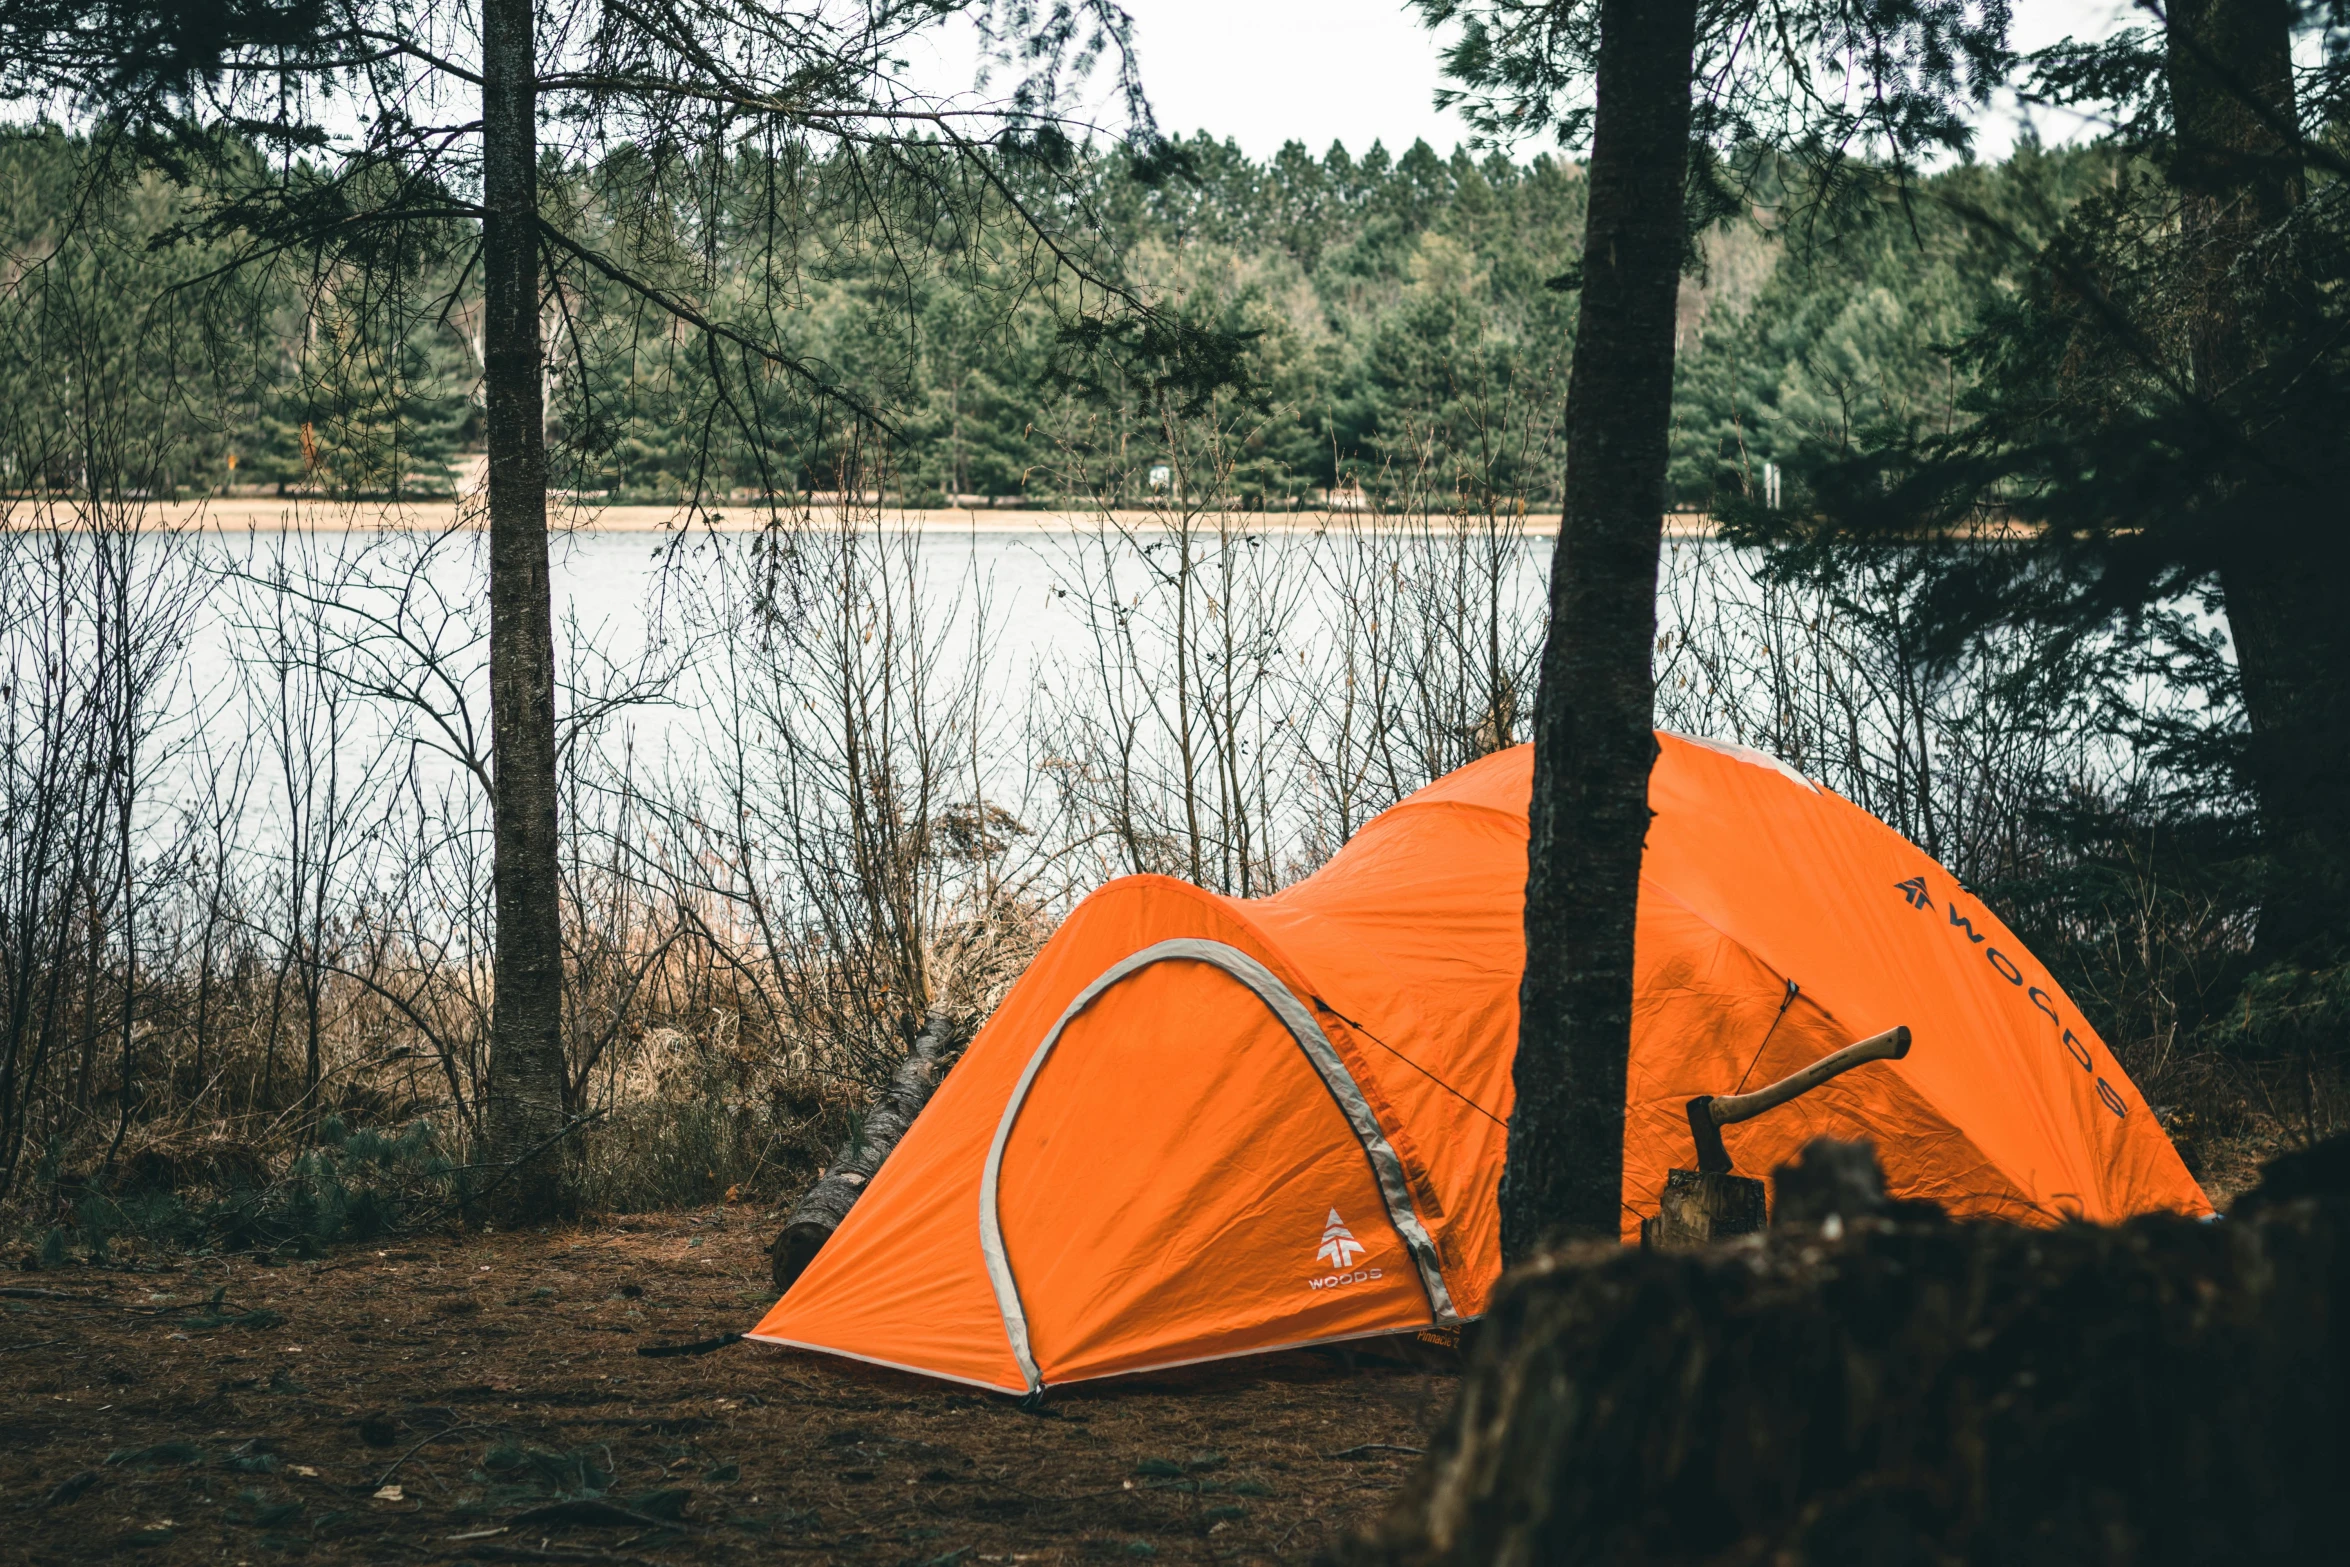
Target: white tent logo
1339,1246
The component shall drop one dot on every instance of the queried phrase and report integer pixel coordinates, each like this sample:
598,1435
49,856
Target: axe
1708,1115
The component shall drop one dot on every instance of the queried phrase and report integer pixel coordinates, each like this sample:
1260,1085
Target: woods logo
1339,1246
1919,897
1340,1249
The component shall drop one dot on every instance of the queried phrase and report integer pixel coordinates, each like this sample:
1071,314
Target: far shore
308,514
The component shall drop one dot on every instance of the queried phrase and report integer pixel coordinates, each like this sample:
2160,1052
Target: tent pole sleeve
1394,1190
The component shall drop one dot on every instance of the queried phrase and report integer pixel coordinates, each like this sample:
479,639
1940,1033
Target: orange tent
1203,1126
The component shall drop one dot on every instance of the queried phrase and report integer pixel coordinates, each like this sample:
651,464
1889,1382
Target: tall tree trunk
525,1115
1593,716
2293,653
2231,84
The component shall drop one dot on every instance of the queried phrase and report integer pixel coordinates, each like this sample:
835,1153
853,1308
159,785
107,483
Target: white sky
1268,71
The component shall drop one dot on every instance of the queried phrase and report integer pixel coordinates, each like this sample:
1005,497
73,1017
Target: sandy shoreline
248,514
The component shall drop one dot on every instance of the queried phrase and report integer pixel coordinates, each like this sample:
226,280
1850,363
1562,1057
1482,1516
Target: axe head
1712,1157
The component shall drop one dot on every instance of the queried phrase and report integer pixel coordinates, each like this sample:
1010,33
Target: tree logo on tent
1340,1249
1339,1246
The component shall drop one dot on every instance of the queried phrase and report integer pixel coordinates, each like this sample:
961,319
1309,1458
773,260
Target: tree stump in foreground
1891,1391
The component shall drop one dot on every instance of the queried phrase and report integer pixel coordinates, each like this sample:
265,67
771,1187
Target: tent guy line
1776,1019
1408,1061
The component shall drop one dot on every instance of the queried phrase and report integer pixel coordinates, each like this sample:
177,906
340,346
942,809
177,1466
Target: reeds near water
229,947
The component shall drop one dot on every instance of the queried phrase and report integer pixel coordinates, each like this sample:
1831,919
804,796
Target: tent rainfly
1201,1126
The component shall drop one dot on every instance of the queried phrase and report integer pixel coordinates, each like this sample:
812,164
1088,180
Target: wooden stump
1699,1207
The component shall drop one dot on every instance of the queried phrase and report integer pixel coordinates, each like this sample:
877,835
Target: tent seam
1242,1354
875,1360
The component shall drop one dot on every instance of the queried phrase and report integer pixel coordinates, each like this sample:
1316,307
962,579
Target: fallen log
828,1202
2162,1391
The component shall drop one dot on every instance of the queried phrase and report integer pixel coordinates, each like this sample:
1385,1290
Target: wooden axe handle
1708,1115
1891,1045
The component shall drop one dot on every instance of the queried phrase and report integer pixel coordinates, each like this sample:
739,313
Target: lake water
694,650
399,615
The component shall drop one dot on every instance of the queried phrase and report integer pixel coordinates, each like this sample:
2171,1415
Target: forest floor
453,1398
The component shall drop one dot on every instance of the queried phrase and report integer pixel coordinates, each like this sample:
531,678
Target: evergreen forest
1384,327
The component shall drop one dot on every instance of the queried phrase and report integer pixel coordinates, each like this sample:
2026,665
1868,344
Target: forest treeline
1385,324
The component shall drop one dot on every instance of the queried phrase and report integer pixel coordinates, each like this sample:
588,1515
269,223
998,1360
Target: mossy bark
827,1203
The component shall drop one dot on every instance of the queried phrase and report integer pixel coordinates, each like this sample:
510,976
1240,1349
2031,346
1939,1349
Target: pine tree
2160,399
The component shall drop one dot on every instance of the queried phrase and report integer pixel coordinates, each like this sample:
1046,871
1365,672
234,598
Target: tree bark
1593,737
2292,645
525,1117
2229,70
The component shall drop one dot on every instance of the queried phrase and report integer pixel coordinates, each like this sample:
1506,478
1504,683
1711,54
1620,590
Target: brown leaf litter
481,1398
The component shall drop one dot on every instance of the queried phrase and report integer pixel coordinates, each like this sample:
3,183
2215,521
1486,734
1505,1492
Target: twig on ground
11,1349
1373,1447
385,1478
1300,1524
697,1347
590,1512
217,1303
67,1489
188,1305
26,1292
553,1553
